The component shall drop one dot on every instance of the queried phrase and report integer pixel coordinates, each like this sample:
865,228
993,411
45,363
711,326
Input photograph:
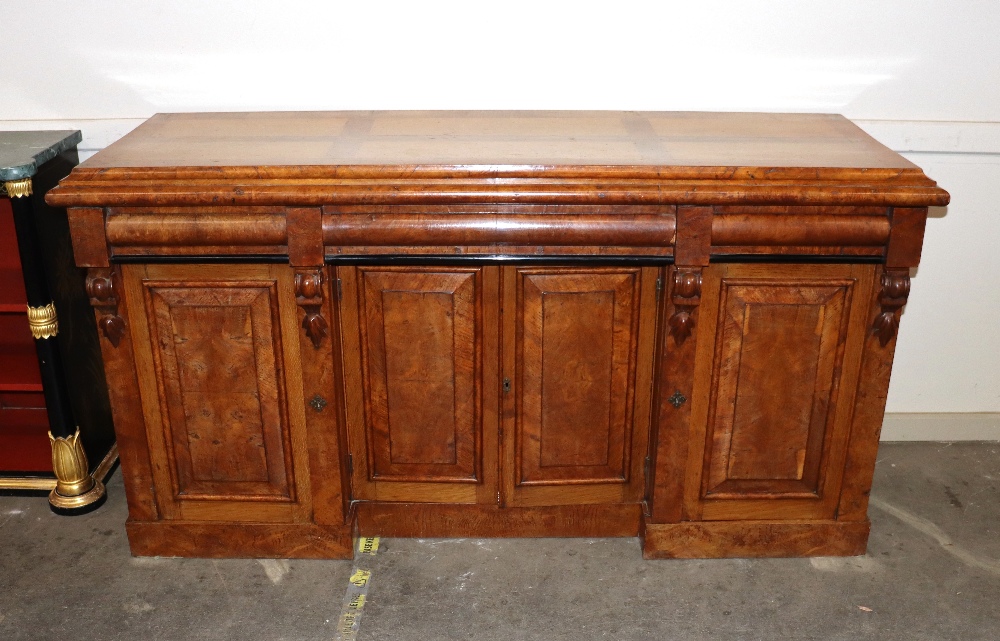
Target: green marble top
21,152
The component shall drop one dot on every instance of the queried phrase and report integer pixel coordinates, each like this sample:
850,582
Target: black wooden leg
76,490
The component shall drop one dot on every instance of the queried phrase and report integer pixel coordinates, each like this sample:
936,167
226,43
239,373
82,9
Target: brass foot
76,489
90,499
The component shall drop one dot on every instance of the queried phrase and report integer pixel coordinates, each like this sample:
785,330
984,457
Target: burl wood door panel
578,358
421,419
779,351
220,392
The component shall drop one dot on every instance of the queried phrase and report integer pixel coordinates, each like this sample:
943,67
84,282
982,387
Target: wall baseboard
952,426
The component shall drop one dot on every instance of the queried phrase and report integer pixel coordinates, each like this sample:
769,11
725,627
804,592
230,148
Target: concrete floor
932,572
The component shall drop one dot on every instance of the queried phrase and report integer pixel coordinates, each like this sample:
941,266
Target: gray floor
932,572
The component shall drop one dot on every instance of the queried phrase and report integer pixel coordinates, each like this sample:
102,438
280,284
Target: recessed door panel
416,419
580,386
215,349
214,372
782,347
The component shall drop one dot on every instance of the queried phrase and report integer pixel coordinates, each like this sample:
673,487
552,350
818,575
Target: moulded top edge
398,172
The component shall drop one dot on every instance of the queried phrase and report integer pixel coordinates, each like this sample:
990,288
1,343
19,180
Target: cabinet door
420,361
776,370
578,361
217,356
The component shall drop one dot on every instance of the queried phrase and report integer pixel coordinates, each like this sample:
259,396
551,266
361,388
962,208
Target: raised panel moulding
781,348
421,343
223,399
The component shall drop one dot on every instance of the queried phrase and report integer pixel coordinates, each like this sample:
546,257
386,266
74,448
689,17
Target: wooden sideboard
672,325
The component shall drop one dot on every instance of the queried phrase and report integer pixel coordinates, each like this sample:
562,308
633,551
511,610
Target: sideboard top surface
530,157
536,138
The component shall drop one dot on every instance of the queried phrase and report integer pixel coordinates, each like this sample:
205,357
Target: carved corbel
309,296
103,296
895,290
686,296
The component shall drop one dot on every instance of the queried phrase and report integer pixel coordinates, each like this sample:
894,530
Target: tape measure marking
368,545
356,594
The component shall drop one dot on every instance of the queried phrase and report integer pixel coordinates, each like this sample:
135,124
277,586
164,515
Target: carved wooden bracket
103,296
309,296
895,290
686,296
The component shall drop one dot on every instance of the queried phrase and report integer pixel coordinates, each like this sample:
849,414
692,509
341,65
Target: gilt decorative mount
43,321
17,188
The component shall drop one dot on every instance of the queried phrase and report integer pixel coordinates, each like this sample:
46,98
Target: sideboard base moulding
677,326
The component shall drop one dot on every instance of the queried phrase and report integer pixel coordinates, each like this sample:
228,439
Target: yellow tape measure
368,545
357,593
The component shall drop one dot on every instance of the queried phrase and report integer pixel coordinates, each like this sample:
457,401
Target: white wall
923,76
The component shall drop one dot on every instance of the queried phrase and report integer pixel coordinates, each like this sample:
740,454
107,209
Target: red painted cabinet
24,443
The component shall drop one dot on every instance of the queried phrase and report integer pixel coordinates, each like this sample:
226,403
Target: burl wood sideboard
678,326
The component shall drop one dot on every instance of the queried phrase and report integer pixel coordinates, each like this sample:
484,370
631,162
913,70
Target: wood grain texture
906,239
777,252
694,236
775,378
134,230
215,349
481,521
266,408
240,541
90,246
310,159
779,342
478,139
420,344
668,449
581,365
753,539
812,230
574,375
374,228
869,411
304,227
218,398
127,413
